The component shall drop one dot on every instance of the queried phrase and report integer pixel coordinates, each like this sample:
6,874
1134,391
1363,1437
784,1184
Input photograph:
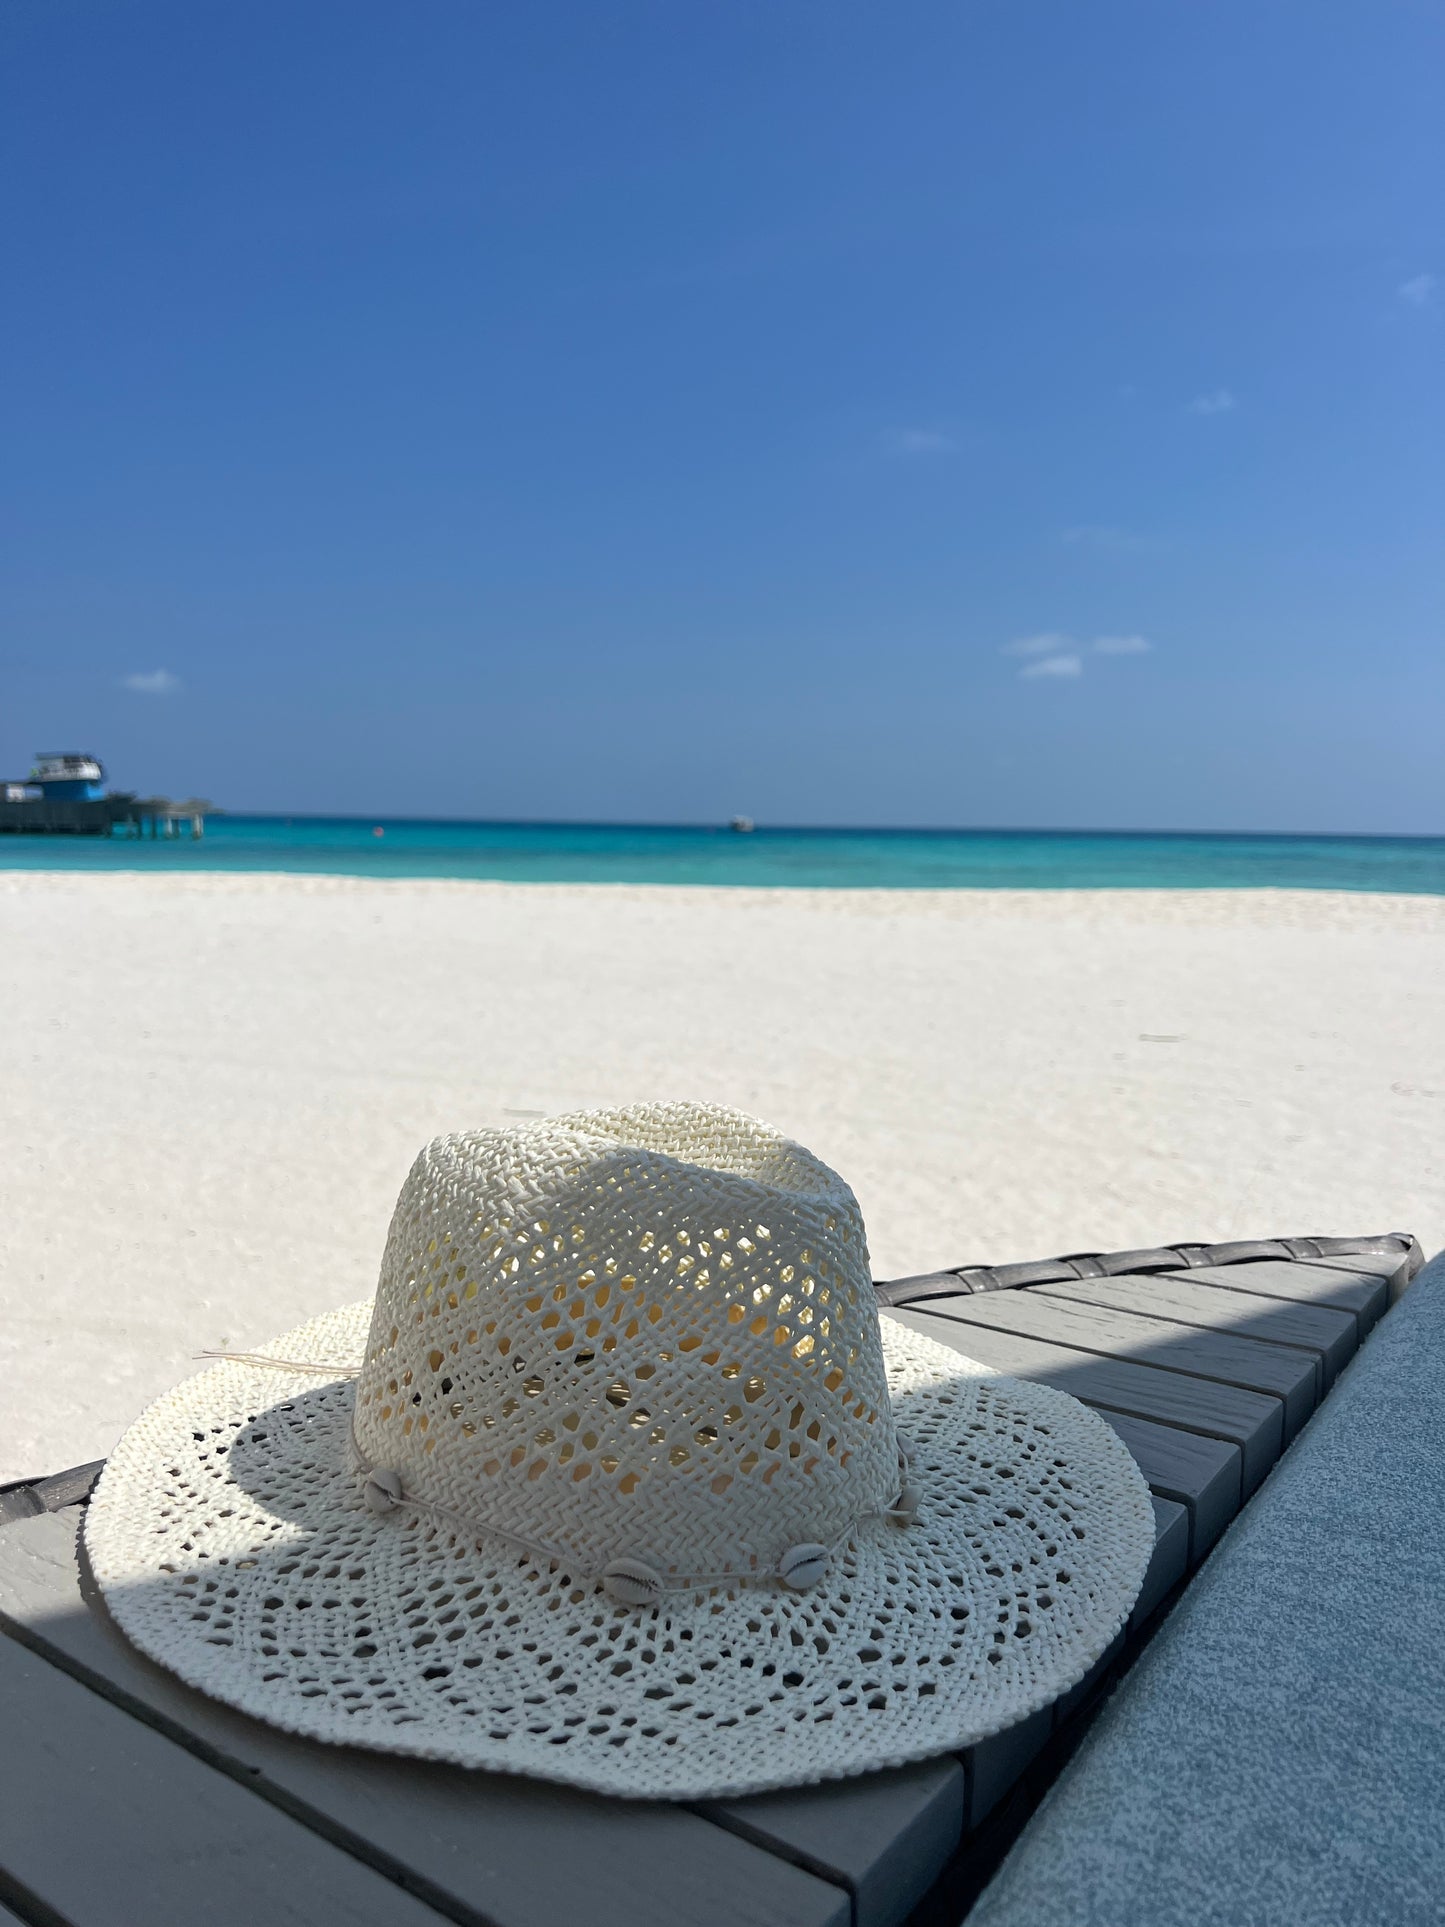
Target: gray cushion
1278,1754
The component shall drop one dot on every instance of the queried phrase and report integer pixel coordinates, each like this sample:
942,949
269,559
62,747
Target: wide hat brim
232,1543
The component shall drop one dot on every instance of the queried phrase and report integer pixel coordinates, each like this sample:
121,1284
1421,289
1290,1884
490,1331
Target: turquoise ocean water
790,859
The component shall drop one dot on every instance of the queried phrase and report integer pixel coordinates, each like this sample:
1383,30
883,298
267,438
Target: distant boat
64,795
68,776
742,824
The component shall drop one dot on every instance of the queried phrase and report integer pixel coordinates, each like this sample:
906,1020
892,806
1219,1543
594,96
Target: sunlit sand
214,1086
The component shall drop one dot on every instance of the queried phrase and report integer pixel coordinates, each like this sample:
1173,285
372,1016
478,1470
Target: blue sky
961,414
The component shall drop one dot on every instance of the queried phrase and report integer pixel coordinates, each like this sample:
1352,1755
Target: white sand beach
213,1086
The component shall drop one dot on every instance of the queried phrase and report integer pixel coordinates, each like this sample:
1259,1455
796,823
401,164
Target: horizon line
717,827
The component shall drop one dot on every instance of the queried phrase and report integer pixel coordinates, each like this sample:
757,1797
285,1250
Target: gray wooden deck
127,1798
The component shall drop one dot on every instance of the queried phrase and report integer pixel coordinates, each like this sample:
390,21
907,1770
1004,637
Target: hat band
630,1581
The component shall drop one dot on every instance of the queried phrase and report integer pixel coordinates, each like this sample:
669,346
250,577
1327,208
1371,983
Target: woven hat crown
644,1333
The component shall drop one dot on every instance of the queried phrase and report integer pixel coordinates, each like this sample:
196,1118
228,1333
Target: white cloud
921,441
1048,644
1218,401
152,682
1122,645
1066,664
1052,653
1418,291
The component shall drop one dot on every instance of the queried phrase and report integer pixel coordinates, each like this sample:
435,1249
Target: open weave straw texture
644,1337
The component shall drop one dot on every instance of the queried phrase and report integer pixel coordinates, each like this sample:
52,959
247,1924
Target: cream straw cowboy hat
618,1481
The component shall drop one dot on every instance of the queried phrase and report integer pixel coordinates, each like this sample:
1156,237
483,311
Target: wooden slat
1169,1563
487,1843
1370,1264
1304,1283
1326,1334
1204,1476
995,1764
1241,1362
108,1824
1392,1271
1247,1419
886,1837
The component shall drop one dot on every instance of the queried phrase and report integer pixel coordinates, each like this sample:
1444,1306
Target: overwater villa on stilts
64,795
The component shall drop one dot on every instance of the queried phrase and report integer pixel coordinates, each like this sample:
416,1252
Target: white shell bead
803,1566
382,1490
904,1509
631,1583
